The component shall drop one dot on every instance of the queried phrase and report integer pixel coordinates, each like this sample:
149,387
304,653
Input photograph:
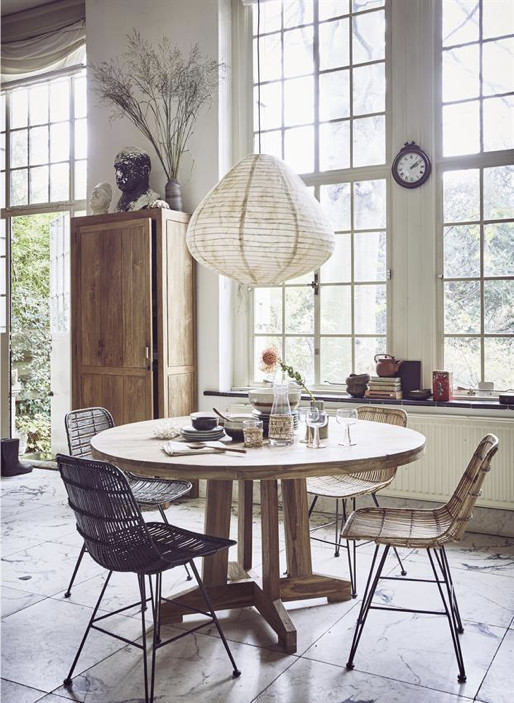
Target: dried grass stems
161,91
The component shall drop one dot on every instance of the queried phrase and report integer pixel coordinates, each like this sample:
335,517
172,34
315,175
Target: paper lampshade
260,225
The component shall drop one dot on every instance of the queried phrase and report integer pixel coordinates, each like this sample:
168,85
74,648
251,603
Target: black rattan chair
81,426
116,536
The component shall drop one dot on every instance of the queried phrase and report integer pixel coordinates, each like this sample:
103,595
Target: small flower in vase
269,362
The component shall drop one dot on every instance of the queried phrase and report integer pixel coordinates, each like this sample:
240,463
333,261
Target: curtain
44,38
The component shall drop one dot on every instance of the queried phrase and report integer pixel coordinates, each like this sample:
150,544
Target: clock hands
417,163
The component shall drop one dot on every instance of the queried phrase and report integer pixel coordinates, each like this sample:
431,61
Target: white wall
185,22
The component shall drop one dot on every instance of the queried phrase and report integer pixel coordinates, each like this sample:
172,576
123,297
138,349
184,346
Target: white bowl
262,398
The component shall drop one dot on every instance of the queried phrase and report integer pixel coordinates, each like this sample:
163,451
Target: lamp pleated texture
260,225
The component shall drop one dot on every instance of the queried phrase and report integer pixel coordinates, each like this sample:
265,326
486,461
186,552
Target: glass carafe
281,428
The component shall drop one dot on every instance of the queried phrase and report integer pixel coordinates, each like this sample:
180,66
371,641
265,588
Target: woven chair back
469,488
81,425
108,518
392,416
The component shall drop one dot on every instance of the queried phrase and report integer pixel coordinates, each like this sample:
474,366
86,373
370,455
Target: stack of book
385,387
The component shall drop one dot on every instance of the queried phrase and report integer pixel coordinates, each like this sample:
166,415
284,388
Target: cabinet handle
147,352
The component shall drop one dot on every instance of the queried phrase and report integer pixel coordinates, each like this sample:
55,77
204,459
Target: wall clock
411,167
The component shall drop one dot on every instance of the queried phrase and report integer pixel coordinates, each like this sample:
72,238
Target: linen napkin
180,449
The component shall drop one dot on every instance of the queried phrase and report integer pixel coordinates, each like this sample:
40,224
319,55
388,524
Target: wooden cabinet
132,310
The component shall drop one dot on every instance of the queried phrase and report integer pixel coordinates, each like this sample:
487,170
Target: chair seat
349,486
400,527
156,491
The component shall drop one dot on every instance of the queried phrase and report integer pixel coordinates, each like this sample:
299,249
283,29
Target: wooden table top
377,446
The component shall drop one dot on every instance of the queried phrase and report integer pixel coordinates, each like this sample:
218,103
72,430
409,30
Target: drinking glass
346,418
316,418
302,425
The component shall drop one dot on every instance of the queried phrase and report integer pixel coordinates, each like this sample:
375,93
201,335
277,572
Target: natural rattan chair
116,536
81,426
352,486
422,529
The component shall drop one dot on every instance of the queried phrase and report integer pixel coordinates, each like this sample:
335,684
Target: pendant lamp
260,225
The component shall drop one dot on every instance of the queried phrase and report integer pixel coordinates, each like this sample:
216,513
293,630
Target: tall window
478,190
319,89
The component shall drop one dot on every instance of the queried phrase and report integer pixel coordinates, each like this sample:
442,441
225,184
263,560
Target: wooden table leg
217,522
245,516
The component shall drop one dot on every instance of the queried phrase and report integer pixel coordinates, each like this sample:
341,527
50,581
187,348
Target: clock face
411,168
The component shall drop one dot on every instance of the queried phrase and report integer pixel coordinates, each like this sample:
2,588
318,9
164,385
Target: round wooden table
377,446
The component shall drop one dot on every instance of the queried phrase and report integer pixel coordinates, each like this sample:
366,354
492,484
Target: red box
442,385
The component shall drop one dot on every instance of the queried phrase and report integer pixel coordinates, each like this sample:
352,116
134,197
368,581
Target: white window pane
370,204
2,152
334,145
461,129
369,89
270,106
38,145
80,180
271,143
298,52
338,269
499,123
498,18
299,312
38,104
462,356
297,12
259,345
498,67
461,73
2,189
365,350
499,249
38,178
299,149
335,201
499,307
462,307
360,5
270,14
369,141
370,309
19,108
19,187
60,141
59,182
460,21
334,95
298,101
336,309
299,354
368,37
334,44
270,57
499,353
2,112
81,139
333,8
60,100
335,359
499,192
267,310
80,97
461,195
462,251
369,256
19,148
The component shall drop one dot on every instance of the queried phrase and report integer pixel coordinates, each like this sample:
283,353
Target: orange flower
269,359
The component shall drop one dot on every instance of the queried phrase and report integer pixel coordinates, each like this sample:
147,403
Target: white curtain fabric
44,38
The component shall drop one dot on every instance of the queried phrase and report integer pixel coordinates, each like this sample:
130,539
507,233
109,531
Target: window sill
492,404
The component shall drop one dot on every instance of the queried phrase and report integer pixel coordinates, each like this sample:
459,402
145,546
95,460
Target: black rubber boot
11,465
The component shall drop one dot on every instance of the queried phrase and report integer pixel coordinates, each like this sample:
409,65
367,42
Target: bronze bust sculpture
132,166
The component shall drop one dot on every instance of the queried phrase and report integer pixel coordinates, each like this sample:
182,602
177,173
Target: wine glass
316,418
346,418
302,425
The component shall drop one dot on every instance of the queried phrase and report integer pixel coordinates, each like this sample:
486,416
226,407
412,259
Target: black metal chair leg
336,552
67,681
314,501
77,564
450,614
165,519
156,631
453,596
371,586
142,591
212,613
402,568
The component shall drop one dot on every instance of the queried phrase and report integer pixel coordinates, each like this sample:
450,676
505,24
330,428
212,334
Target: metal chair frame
83,424
110,521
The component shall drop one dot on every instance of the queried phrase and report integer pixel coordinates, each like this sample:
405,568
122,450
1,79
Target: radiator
451,441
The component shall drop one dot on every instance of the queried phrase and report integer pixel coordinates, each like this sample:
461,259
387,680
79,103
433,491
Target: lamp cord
259,72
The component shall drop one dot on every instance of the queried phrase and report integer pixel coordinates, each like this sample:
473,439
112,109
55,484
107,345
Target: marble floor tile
16,693
40,487
14,600
40,642
498,685
309,681
43,524
412,648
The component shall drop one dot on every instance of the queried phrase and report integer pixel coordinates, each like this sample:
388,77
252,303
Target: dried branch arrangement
161,91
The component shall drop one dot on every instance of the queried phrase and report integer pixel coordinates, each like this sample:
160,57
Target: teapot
386,365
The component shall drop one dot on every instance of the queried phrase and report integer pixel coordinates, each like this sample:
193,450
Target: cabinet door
112,318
